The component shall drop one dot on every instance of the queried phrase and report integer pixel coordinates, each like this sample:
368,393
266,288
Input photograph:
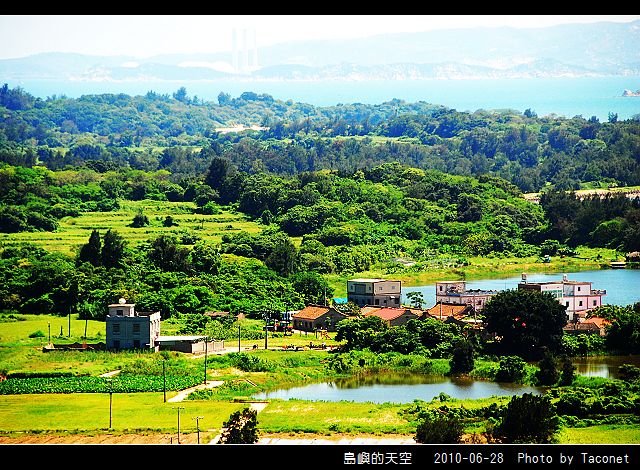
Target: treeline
108,131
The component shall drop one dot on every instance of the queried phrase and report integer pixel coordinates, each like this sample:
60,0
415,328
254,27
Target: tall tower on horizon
244,54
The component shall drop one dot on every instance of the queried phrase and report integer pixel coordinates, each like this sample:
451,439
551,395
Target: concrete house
128,329
319,317
456,292
382,292
577,296
393,316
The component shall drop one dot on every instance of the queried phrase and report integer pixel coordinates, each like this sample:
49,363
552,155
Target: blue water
562,96
622,285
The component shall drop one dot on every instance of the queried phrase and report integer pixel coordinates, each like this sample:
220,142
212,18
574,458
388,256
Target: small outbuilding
194,344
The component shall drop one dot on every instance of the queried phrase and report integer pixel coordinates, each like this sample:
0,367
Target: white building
456,292
577,296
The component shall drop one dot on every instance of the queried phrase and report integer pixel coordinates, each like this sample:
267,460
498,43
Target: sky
143,36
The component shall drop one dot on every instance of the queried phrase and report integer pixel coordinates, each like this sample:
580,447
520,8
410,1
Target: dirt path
182,394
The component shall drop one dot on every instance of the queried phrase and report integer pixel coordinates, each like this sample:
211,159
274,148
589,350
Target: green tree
140,220
547,373
313,288
525,322
568,373
283,259
462,361
529,419
205,258
512,369
90,252
167,255
436,429
240,428
168,221
113,249
416,298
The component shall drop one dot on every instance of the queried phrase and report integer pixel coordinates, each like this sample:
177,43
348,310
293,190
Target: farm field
74,231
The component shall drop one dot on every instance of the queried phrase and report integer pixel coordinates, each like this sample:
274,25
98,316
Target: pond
398,388
622,285
603,366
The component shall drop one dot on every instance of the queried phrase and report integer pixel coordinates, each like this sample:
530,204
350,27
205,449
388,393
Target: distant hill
596,49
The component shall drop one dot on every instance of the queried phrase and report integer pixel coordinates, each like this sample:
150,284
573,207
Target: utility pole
206,343
238,335
109,381
69,320
266,331
179,408
49,323
198,418
164,379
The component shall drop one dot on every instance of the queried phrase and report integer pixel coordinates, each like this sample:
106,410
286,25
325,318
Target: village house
128,329
393,316
382,292
592,325
577,296
456,292
317,317
449,311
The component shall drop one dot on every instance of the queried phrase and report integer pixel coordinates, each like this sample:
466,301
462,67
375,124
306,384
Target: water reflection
399,388
603,366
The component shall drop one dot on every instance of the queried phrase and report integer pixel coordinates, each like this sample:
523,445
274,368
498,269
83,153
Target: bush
547,373
37,334
529,419
462,361
511,369
241,428
439,430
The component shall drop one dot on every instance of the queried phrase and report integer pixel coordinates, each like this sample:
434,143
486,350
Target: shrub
511,369
439,430
529,419
241,428
37,334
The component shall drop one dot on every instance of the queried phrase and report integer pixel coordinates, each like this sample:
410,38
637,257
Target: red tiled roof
369,309
448,310
389,313
311,312
598,321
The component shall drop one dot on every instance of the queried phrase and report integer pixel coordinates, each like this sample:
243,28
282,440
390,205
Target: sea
566,96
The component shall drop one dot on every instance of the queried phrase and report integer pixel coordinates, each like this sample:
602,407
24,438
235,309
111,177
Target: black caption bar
399,456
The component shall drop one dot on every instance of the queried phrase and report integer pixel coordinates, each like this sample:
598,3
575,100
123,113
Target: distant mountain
596,49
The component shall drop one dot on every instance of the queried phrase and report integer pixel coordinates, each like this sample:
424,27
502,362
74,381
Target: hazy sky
148,35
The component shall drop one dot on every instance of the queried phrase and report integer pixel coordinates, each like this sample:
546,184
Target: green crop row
122,384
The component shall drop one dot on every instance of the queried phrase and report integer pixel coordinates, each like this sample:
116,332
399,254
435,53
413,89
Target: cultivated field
74,231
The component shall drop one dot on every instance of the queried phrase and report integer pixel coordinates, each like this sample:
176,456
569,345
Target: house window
393,287
136,328
377,301
580,303
397,301
120,312
136,343
566,303
116,344
595,302
578,288
440,288
116,328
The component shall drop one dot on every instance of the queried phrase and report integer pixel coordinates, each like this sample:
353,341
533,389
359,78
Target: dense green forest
157,131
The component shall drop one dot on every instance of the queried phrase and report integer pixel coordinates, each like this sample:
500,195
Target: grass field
74,231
